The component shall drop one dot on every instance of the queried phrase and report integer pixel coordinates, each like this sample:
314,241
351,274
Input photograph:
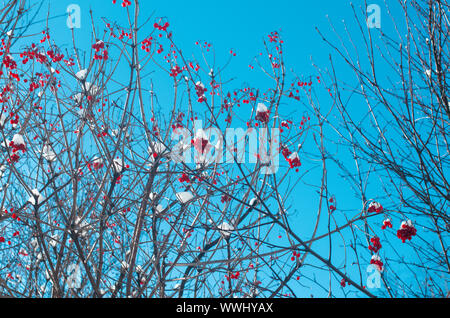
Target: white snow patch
54,240
261,108
226,229
159,209
294,156
48,153
184,197
81,75
2,120
18,140
158,147
92,89
118,165
35,194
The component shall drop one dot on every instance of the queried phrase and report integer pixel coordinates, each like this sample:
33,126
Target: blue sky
233,24
241,26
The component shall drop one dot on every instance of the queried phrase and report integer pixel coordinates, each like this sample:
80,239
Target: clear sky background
241,26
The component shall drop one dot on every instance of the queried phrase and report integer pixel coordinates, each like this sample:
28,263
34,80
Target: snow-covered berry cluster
291,157
376,261
100,52
96,164
406,231
386,224
375,207
262,113
200,90
17,144
294,160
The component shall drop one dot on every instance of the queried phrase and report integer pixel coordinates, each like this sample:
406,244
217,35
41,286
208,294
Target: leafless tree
110,189
393,120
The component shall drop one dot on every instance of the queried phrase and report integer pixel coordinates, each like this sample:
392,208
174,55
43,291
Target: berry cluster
225,198
188,232
200,91
375,207
17,143
376,261
274,37
376,245
184,178
9,62
291,157
55,56
14,119
34,54
386,223
125,3
175,71
262,113
146,44
295,255
294,160
161,27
232,276
100,46
96,164
332,206
286,152
33,86
406,231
